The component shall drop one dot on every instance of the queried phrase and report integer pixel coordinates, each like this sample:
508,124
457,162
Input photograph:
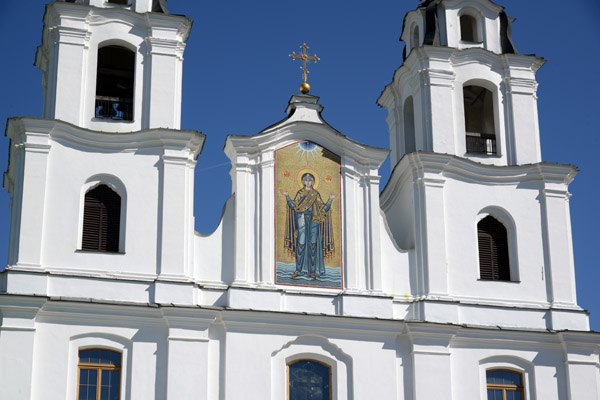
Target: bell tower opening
415,42
115,83
468,29
409,126
479,120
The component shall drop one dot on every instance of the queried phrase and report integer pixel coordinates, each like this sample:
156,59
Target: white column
175,212
188,353
432,377
146,379
437,87
28,198
17,334
373,240
68,83
245,210
352,228
581,364
165,60
431,236
267,216
523,134
558,245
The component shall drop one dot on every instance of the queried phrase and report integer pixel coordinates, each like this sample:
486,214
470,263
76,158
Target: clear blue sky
238,78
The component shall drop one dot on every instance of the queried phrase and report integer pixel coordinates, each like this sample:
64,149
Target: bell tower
104,182
487,220
463,88
130,54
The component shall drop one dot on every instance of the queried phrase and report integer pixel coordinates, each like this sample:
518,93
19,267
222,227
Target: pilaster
581,364
374,232
352,227
438,112
431,357
558,246
245,229
522,125
17,337
31,150
266,235
431,235
188,349
175,213
165,60
68,38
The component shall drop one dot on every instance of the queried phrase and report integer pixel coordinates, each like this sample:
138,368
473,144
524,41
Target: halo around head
310,171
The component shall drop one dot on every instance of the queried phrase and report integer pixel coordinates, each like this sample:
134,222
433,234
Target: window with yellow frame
99,374
503,384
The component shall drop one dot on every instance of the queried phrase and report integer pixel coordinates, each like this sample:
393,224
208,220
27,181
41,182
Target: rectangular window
504,385
115,81
99,374
101,220
309,379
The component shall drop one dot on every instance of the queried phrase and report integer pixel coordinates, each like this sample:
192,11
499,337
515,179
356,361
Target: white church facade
455,281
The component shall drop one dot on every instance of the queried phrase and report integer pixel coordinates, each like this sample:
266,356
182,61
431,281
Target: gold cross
304,88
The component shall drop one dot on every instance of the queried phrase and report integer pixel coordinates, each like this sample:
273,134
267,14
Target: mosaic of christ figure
308,227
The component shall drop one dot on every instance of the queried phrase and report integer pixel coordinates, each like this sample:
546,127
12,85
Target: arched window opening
99,372
415,42
492,238
468,28
309,379
101,220
114,83
409,126
479,120
504,385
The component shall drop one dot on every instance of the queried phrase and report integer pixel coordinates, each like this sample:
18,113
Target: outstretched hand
332,196
283,192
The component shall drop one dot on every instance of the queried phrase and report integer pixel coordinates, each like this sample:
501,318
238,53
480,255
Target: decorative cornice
288,133
420,60
176,26
69,35
484,6
435,77
82,138
165,47
520,86
450,166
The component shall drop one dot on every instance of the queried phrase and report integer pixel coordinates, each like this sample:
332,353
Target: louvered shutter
101,220
493,250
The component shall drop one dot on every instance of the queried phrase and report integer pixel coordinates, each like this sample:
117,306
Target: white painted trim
99,340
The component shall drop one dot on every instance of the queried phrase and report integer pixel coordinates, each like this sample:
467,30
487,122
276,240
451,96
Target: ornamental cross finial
305,87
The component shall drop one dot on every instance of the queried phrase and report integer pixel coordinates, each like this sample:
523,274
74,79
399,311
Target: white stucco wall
173,353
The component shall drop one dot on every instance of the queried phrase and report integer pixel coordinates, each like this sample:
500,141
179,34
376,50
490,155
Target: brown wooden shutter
493,250
101,220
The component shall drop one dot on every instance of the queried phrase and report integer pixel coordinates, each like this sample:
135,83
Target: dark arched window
468,28
309,379
409,126
99,374
415,42
493,250
479,120
504,385
101,220
114,83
